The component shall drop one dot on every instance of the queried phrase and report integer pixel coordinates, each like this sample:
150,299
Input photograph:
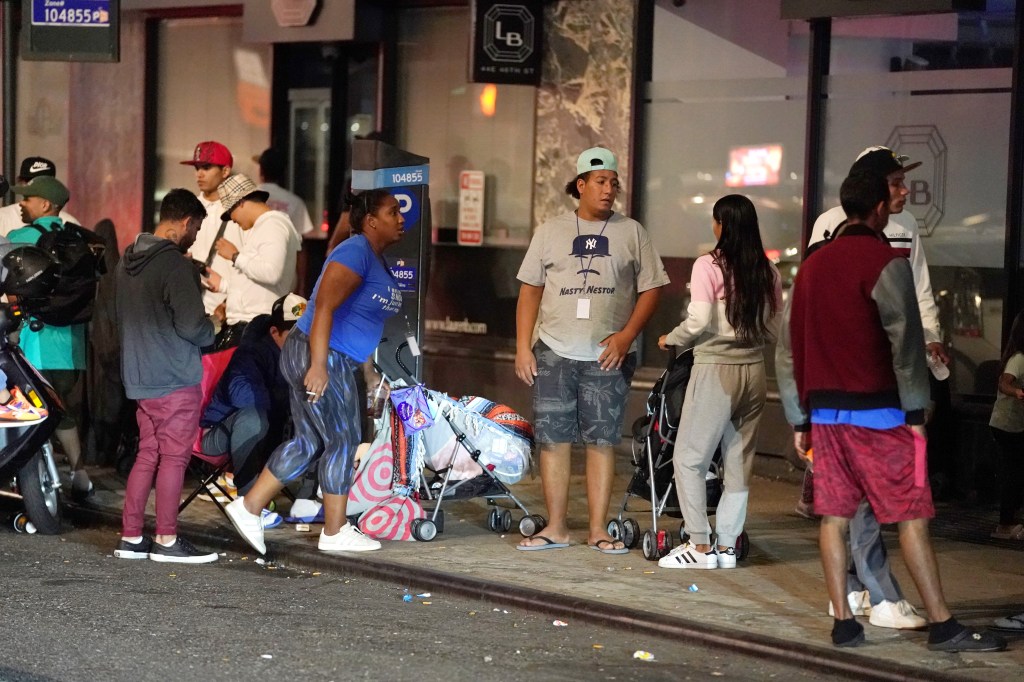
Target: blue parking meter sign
409,205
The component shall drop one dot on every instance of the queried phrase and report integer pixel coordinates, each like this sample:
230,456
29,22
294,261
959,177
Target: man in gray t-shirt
590,282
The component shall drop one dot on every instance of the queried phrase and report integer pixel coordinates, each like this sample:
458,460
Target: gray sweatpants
723,406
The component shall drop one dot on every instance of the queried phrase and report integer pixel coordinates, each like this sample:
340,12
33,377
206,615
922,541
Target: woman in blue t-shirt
340,328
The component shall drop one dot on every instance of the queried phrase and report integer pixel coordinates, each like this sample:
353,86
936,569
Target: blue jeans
240,435
869,563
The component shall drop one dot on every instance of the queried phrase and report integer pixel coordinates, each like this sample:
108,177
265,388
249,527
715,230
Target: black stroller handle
671,355
398,359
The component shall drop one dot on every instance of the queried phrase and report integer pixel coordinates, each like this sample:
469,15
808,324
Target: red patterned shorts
854,462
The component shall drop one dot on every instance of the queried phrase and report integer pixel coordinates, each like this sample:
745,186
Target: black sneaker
846,633
970,640
80,496
181,552
133,550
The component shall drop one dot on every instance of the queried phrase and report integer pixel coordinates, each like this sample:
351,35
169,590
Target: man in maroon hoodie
853,380
162,327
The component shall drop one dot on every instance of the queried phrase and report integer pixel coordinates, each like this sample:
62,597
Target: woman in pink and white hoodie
734,312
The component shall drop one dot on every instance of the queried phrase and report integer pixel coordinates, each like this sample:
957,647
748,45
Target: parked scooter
28,470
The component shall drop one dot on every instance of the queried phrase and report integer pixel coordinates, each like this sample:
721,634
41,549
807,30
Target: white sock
168,544
131,541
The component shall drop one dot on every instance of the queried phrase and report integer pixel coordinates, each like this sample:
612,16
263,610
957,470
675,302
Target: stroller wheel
664,542
506,521
493,521
742,546
640,428
650,545
424,530
630,533
615,530
531,525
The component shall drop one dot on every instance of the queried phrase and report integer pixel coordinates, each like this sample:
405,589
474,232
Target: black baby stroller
653,476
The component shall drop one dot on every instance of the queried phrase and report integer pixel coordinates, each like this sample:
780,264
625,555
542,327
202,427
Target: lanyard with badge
583,303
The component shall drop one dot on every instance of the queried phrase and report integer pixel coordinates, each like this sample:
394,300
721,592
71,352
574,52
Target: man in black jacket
162,326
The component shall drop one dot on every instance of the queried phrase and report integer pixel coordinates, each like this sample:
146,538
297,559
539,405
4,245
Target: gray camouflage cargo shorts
576,401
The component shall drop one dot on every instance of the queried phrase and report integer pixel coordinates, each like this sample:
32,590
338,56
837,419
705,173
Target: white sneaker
270,519
726,557
348,539
249,526
687,556
860,604
899,616
214,493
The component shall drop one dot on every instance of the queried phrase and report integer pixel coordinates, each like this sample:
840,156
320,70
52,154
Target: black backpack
80,254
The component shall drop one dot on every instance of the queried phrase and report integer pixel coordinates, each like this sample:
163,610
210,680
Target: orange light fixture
489,99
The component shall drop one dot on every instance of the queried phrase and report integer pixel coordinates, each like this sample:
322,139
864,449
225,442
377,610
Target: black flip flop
608,547
548,544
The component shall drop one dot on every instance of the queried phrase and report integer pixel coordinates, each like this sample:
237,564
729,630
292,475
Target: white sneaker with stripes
686,555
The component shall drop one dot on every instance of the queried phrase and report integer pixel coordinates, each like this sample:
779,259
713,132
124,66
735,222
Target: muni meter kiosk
377,165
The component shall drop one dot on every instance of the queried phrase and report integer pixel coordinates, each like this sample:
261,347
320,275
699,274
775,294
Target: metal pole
10,89
1014,253
814,172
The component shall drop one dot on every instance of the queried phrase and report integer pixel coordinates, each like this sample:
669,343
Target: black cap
286,311
881,161
34,166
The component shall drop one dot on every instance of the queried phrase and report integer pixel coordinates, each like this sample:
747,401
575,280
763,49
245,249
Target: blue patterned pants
327,431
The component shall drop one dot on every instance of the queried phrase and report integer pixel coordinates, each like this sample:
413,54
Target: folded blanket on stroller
384,492
503,436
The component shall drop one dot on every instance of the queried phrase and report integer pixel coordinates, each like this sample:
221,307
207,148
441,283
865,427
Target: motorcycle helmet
27,271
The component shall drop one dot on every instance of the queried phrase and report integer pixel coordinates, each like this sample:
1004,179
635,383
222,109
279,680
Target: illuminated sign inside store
753,166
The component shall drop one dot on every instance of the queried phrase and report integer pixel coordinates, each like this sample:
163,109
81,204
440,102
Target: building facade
698,98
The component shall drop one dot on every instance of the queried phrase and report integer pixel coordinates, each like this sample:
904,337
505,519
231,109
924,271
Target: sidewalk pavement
772,604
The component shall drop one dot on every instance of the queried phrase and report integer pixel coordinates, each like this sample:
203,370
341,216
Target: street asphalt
773,605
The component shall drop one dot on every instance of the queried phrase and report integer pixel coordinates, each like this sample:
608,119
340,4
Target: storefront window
725,113
211,86
937,89
462,126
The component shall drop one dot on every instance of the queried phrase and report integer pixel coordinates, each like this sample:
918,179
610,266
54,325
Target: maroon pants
167,429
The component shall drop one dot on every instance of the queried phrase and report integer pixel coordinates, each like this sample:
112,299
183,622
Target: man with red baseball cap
212,162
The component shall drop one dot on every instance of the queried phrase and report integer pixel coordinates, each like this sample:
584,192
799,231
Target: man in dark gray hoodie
162,326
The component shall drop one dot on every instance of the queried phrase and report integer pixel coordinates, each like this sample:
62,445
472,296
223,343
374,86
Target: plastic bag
411,407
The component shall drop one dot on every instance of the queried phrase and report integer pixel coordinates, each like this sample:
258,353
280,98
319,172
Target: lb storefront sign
506,42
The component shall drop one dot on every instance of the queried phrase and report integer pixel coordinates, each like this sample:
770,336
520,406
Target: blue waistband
881,418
